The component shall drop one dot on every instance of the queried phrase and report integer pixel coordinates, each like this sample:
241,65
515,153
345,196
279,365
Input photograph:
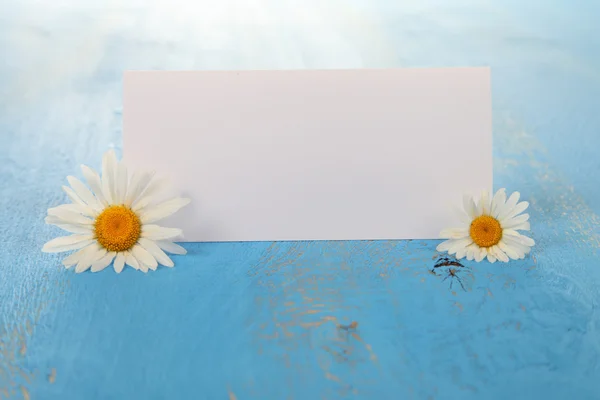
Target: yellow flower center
485,231
117,228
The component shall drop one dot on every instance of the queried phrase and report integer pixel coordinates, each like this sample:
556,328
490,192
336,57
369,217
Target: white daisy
490,229
114,221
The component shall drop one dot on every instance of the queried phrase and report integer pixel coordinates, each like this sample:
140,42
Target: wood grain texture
274,320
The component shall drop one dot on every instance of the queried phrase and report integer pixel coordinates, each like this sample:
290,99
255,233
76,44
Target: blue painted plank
272,320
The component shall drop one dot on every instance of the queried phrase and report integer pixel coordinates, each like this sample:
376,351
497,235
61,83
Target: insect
348,328
451,268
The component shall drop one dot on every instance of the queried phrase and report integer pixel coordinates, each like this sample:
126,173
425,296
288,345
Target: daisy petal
459,244
509,205
121,183
84,229
491,258
75,257
446,245
454,233
69,217
109,172
525,226
519,208
131,260
83,192
479,254
512,253
170,247
155,186
518,220
86,262
74,208
469,206
163,210
119,262
93,179
483,207
498,201
144,257
141,203
522,239
155,232
139,182
499,254
461,253
66,243
103,262
517,246
82,208
471,252
462,216
156,252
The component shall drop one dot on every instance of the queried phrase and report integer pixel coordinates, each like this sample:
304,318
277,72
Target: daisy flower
490,229
114,220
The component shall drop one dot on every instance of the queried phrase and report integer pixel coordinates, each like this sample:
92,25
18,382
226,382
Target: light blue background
258,320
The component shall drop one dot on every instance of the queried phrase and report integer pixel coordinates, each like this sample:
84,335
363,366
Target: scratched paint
304,320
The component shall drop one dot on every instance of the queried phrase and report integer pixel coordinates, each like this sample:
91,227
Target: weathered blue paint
258,320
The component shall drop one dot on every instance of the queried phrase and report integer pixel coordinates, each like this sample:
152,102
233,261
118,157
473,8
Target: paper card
313,155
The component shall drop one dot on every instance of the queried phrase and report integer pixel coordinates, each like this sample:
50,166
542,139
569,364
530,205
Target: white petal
461,253
139,182
460,244
516,221
53,220
509,205
131,260
446,245
74,208
141,203
462,216
156,252
68,216
483,207
509,250
469,206
119,262
86,262
103,262
479,254
109,172
162,210
76,256
82,208
525,226
516,245
84,229
498,201
518,209
170,247
83,192
491,258
121,184
454,233
66,243
156,232
471,251
499,254
155,186
93,179
144,257
522,239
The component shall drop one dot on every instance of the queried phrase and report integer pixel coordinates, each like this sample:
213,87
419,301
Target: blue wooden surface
258,320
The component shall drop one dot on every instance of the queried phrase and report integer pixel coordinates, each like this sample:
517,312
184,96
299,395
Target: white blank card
312,155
